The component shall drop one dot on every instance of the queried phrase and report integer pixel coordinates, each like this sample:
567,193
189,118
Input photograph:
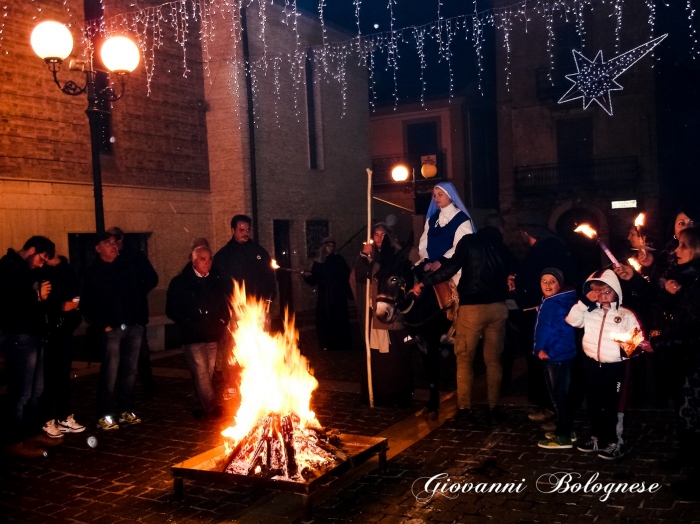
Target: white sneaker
70,425
52,430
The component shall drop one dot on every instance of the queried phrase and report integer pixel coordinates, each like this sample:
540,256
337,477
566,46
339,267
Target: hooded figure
445,225
601,323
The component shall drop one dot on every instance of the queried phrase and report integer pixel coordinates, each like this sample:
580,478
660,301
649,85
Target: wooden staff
368,294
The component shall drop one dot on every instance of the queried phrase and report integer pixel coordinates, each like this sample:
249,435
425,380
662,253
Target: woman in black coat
680,340
331,274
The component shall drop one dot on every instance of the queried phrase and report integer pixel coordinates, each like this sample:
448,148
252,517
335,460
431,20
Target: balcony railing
598,174
382,166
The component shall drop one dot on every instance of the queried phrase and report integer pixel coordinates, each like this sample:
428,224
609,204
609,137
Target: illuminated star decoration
596,78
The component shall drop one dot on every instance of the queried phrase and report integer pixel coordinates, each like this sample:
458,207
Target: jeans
58,359
120,356
557,376
473,322
24,361
201,359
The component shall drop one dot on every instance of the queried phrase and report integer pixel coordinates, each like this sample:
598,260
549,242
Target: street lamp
53,43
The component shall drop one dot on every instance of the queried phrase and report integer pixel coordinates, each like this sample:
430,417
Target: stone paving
126,478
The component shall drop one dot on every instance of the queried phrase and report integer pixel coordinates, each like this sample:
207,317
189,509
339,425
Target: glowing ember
274,264
587,230
275,435
635,264
639,221
628,341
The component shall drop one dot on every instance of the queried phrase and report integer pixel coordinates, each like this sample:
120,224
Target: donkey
422,316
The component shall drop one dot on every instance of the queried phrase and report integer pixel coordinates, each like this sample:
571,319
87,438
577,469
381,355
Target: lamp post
53,43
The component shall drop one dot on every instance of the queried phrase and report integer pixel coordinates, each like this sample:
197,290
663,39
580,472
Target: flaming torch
587,230
628,341
635,264
276,267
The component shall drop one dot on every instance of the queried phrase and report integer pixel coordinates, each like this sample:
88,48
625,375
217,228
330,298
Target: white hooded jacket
600,324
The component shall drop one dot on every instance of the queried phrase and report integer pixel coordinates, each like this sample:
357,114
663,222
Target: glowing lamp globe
120,55
399,174
52,41
428,170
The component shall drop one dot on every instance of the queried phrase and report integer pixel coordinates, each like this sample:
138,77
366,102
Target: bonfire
275,434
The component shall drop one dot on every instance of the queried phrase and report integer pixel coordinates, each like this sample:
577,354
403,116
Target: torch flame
275,377
587,230
639,221
274,264
628,341
635,264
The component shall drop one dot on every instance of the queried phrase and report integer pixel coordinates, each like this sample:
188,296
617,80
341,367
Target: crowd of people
607,330
43,303
596,337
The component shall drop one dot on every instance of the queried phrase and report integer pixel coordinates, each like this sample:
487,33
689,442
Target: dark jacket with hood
199,305
248,263
114,294
552,334
21,312
484,277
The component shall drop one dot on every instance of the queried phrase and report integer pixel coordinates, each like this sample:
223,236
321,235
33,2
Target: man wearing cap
113,303
148,279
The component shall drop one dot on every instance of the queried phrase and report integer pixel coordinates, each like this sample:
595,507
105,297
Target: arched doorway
584,253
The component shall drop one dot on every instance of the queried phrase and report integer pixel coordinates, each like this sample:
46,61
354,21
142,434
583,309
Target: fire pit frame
359,449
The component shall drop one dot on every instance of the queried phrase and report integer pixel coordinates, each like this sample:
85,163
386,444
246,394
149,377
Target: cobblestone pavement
126,478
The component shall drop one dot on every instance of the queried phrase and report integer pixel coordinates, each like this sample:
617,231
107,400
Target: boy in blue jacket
555,346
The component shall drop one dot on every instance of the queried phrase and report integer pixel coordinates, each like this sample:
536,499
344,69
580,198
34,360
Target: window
316,231
313,113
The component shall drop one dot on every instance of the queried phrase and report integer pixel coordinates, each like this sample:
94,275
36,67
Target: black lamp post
53,43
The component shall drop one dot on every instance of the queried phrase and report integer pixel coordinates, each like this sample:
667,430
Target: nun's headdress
451,191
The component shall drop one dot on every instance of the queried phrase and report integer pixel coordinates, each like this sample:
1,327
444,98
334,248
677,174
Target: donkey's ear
406,249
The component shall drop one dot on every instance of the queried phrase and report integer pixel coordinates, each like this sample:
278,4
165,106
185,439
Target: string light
153,26
596,78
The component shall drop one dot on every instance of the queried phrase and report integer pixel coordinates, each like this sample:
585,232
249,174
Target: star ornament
596,78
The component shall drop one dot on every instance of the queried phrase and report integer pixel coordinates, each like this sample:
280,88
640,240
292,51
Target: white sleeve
465,228
423,243
575,316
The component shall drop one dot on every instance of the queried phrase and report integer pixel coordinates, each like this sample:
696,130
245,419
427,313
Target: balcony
382,166
599,174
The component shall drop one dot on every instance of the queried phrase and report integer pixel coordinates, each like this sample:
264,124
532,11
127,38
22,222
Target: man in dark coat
23,326
246,262
63,318
197,303
114,303
148,280
546,250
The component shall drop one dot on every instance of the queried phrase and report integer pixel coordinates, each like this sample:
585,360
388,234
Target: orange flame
587,230
628,341
274,264
635,264
274,377
639,221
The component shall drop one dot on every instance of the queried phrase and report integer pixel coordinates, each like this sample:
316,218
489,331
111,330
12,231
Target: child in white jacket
603,320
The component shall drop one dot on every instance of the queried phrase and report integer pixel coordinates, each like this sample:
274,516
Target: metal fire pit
207,466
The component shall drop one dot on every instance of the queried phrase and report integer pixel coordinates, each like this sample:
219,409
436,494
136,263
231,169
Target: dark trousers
58,358
537,393
145,370
557,377
603,387
120,355
24,362
201,359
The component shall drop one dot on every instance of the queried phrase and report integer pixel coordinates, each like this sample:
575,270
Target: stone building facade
179,164
558,163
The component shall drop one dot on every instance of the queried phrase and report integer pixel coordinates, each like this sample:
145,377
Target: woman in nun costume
447,222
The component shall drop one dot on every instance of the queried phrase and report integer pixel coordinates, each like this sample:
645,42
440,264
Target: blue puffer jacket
552,334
